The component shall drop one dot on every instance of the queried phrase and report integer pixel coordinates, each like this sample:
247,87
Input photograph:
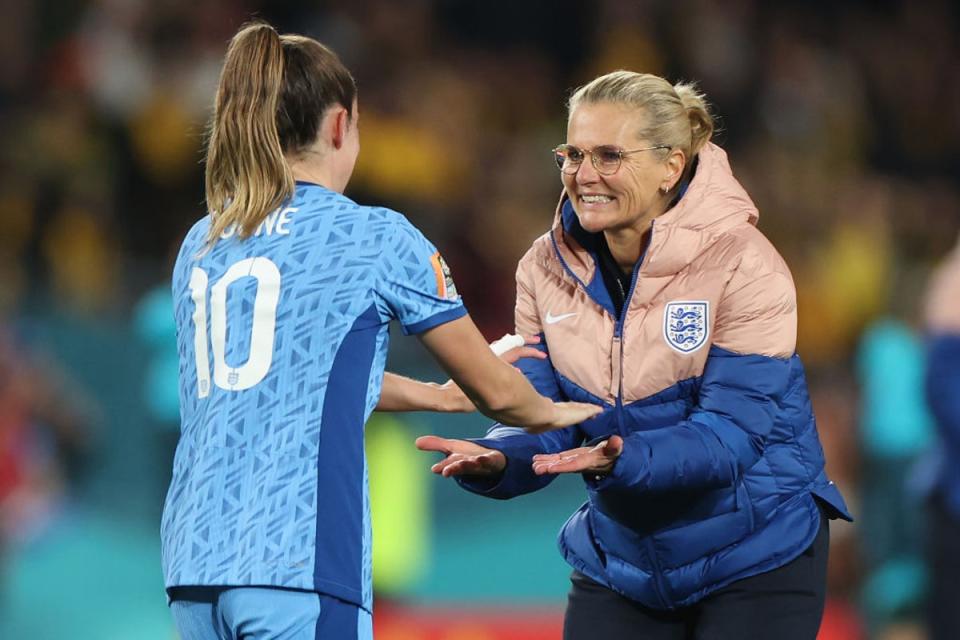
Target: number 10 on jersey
262,329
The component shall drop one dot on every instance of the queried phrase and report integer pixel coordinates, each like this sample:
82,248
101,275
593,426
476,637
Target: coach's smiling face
631,197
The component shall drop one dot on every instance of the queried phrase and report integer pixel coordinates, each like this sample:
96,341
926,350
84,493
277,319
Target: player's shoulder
195,239
198,231
320,200
397,225
387,215
314,199
191,249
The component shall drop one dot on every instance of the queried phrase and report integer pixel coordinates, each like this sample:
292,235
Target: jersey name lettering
276,222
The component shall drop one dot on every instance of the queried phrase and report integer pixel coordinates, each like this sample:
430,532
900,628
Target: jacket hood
713,203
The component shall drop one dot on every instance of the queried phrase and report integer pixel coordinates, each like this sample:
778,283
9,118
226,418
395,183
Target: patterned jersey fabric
282,340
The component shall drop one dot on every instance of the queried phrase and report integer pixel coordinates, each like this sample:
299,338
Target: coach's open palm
596,459
463,458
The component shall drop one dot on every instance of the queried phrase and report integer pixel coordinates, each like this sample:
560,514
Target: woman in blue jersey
283,295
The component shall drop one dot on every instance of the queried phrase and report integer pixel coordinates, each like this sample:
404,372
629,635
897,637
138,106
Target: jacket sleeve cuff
517,477
616,478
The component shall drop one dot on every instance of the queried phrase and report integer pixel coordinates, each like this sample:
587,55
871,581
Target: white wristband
507,342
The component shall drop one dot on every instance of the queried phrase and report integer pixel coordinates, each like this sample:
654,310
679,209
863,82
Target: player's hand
598,459
463,458
510,354
458,402
566,414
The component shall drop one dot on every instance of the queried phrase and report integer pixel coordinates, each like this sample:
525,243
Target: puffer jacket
943,375
721,459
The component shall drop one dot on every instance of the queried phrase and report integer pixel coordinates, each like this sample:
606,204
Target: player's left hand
597,459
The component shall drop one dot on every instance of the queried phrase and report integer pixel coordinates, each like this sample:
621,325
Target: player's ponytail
247,176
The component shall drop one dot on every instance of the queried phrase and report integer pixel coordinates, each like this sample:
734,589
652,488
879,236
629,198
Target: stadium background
841,118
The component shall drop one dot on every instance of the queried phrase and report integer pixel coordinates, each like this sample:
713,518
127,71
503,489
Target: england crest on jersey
686,324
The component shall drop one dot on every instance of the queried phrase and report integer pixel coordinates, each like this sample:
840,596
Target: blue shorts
255,613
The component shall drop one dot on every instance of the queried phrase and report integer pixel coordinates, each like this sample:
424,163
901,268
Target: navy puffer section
717,481
660,540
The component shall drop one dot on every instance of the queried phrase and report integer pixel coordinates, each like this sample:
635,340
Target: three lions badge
686,324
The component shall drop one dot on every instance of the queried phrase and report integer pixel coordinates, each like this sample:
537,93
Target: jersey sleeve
416,287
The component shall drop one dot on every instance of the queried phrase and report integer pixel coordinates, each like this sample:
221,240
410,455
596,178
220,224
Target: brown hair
677,115
273,93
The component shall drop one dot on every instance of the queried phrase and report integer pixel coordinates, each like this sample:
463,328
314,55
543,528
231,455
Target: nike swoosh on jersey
552,319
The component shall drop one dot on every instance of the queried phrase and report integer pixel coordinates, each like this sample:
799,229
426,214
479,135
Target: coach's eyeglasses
606,158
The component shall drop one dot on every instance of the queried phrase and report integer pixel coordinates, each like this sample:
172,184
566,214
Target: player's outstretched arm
497,389
405,394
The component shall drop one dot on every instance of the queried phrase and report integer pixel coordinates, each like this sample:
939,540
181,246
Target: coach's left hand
598,459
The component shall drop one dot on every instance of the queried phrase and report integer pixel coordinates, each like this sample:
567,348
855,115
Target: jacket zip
616,382
616,366
617,348
659,587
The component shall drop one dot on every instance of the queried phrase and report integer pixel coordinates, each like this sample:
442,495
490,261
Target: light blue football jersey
283,340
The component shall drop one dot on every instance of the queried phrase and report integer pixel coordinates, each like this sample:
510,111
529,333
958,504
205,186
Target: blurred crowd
842,119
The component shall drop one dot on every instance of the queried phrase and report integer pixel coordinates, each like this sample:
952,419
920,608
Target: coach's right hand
463,458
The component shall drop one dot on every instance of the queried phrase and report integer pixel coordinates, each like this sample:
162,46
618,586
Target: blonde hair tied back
698,111
676,115
247,176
